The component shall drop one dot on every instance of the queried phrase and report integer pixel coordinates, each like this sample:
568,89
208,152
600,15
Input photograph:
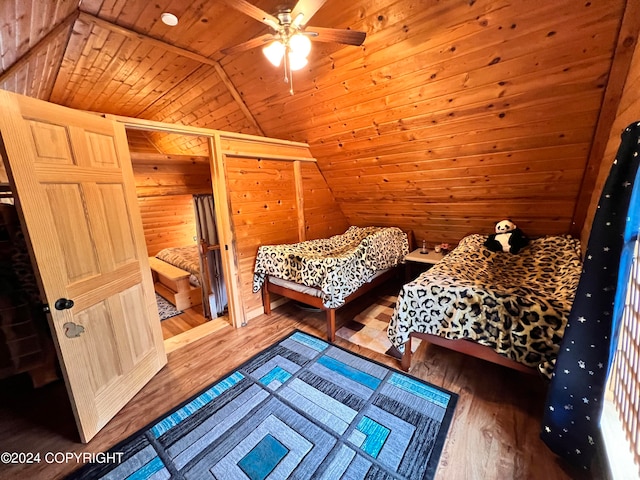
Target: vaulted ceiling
452,115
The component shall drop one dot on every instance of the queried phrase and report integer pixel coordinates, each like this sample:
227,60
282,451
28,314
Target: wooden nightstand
428,259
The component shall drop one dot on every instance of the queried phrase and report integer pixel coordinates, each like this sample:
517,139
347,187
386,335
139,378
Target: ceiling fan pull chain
288,73
288,66
285,63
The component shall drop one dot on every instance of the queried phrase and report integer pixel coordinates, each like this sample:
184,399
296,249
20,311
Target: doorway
172,174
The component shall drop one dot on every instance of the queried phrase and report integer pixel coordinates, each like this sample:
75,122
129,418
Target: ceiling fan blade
307,8
349,37
248,45
254,12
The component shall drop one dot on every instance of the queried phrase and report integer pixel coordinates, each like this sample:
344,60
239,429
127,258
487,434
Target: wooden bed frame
316,302
173,284
468,347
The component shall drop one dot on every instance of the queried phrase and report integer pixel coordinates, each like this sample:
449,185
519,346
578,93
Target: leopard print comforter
338,265
516,304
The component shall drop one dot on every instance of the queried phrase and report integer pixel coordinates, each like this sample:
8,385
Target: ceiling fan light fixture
274,52
298,20
300,45
290,44
296,62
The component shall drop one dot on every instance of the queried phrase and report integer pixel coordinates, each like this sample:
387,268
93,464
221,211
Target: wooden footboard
467,347
316,302
173,284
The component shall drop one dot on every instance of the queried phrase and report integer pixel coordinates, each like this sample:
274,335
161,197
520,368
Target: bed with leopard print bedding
186,258
335,266
517,305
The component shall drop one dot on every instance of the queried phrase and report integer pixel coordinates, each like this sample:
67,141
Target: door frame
284,150
222,204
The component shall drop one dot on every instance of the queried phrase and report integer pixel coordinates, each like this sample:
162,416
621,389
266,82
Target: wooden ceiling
452,115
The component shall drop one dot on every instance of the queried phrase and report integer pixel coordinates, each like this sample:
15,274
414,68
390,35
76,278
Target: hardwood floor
494,434
190,326
190,318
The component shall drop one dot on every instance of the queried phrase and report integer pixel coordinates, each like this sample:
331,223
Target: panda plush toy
508,238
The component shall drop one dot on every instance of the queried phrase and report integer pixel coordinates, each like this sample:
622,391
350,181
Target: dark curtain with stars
571,418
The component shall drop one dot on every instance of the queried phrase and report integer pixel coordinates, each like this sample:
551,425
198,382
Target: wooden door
72,176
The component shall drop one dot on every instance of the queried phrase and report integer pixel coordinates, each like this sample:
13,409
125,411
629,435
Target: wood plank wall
32,49
275,191
453,115
141,77
141,142
322,215
165,185
264,212
277,195
160,174
628,111
168,221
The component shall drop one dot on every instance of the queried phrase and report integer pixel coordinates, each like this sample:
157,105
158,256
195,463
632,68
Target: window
621,412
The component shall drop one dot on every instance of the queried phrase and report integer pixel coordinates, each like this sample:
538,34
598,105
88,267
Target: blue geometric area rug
301,409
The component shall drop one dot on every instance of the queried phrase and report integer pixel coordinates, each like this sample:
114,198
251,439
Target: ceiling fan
290,39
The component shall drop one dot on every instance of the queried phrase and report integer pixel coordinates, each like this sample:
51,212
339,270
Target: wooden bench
173,284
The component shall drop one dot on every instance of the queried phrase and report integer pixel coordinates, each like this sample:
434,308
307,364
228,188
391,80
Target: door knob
63,304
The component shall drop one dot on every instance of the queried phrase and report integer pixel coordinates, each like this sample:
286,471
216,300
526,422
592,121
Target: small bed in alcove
177,277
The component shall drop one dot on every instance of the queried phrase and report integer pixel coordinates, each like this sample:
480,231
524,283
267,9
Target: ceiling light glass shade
274,52
296,62
169,19
300,45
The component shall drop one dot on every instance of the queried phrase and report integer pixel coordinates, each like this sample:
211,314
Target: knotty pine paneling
140,142
137,77
34,74
25,23
628,111
450,116
136,71
159,174
281,150
322,215
204,26
264,211
165,185
168,221
202,100
176,144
